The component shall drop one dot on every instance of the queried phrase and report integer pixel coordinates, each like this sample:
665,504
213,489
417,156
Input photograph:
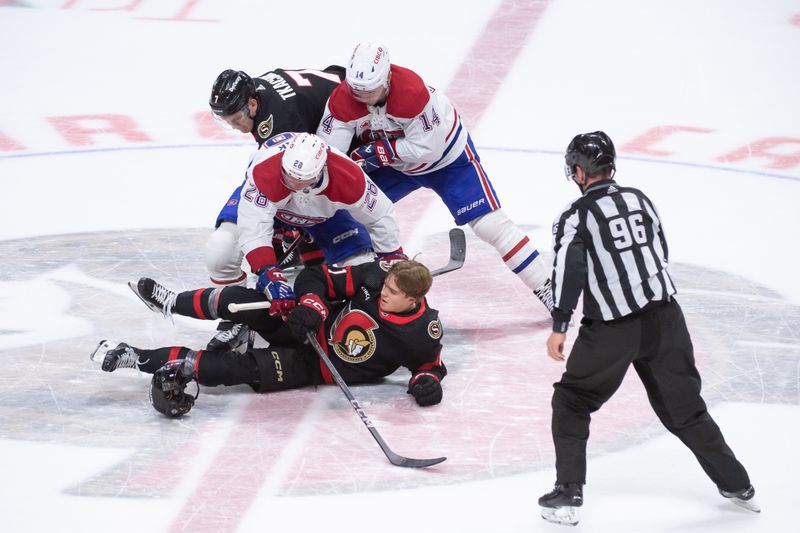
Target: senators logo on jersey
265,128
353,336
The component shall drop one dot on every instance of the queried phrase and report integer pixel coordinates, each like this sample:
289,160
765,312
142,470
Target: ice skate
231,337
743,498
545,294
155,296
113,355
560,506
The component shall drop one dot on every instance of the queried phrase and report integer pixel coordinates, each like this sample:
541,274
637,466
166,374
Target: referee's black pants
658,344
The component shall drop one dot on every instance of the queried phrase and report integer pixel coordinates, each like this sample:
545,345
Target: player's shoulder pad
267,177
372,275
408,94
346,182
343,106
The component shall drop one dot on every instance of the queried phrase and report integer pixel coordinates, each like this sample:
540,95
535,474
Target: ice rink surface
111,169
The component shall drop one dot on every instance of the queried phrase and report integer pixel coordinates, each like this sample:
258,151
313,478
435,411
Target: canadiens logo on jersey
353,336
265,128
298,220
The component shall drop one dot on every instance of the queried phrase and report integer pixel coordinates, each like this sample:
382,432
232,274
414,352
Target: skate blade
135,288
99,353
750,504
565,516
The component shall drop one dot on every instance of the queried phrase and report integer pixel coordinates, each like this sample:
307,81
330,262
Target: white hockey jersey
418,121
343,186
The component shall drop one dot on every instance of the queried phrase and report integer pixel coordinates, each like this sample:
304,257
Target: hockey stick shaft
251,306
397,460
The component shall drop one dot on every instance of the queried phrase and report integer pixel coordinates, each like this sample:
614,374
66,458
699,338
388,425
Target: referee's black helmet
592,152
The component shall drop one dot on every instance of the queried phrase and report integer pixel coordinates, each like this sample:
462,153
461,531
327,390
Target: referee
610,246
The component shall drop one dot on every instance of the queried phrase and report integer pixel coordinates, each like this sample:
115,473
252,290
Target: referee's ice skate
743,498
561,505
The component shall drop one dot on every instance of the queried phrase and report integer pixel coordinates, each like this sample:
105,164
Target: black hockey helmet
168,390
592,152
230,92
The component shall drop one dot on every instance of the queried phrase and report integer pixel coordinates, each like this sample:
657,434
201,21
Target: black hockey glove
307,317
426,389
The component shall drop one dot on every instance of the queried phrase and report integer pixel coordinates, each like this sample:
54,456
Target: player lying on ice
371,319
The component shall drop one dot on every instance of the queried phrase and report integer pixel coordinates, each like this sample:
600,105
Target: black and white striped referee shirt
609,244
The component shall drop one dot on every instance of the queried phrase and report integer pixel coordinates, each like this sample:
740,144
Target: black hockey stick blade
458,252
397,460
288,254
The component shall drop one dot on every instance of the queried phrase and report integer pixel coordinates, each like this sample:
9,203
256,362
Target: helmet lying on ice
168,390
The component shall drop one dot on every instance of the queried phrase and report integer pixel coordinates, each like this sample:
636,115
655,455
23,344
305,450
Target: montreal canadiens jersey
365,343
343,186
292,100
418,121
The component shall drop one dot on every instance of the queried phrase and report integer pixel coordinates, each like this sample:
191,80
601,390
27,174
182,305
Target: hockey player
370,318
276,102
610,246
413,137
296,178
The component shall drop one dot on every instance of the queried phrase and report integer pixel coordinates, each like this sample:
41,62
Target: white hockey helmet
369,67
303,161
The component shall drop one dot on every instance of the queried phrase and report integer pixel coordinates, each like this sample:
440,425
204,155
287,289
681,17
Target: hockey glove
393,257
308,316
374,155
272,283
425,388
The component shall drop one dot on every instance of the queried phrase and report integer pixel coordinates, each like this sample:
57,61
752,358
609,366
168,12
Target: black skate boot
545,294
113,355
155,296
743,498
231,337
560,506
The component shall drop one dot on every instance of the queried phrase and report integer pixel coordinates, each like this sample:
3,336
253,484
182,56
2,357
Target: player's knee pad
496,229
515,248
227,368
223,256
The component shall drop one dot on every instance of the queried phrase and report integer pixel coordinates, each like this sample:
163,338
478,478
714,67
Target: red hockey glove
374,155
308,316
425,388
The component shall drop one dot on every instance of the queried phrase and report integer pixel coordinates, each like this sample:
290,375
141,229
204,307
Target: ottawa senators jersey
365,343
292,100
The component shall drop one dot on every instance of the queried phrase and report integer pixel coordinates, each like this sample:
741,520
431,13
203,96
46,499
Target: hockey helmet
230,92
303,161
592,152
168,390
369,67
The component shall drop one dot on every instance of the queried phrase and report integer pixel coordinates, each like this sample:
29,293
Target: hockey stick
397,460
458,252
287,254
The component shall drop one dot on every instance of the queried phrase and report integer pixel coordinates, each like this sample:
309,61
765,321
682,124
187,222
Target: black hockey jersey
292,100
365,343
